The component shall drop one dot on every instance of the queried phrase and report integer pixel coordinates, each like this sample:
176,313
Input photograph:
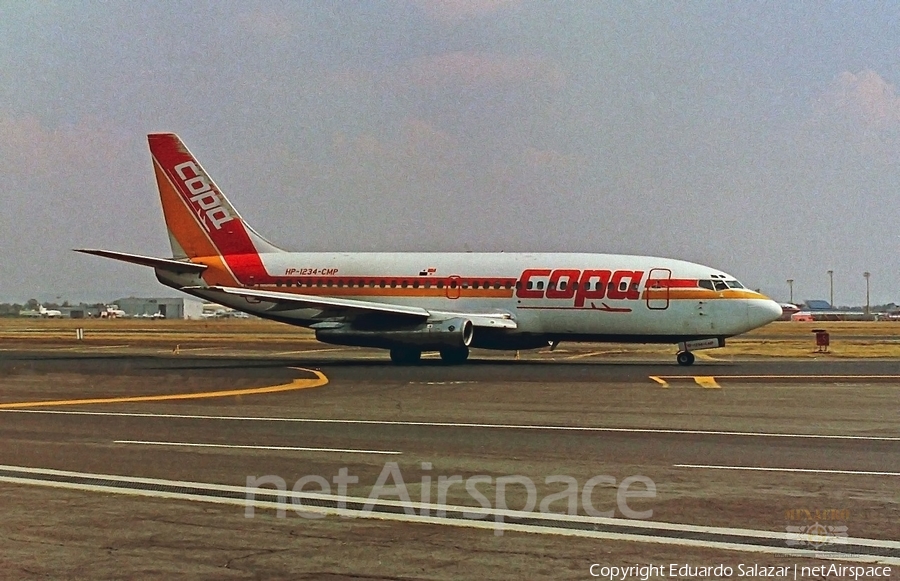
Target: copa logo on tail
205,201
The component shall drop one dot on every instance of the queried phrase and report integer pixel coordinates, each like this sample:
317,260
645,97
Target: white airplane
49,313
112,312
412,302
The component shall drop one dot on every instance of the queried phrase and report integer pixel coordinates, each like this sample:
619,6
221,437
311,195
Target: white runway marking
245,447
441,382
186,349
417,512
304,351
802,470
80,348
460,425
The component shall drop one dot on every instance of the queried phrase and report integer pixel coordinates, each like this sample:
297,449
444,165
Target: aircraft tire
685,358
405,356
455,356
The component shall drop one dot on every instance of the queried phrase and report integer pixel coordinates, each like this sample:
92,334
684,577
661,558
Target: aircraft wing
284,301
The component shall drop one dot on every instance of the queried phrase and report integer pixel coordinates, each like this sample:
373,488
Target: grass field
780,339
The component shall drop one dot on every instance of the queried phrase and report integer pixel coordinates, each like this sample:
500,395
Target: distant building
819,310
168,308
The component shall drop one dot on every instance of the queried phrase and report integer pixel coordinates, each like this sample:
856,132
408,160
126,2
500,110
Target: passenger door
657,290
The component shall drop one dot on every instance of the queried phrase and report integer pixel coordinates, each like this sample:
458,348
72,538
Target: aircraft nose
762,312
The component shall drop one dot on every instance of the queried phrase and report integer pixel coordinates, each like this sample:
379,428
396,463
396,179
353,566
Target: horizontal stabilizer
164,263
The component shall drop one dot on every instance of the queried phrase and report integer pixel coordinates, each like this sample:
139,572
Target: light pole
831,286
866,276
790,282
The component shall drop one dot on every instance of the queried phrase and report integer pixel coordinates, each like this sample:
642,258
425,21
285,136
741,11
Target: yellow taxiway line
707,382
704,381
296,384
660,381
711,382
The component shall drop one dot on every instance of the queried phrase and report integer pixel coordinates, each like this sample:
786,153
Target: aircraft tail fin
200,219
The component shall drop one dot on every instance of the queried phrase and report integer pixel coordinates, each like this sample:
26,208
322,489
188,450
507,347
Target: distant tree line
13,309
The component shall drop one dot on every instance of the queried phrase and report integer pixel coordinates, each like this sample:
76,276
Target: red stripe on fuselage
673,282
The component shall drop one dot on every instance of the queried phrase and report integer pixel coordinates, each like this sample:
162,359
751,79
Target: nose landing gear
685,358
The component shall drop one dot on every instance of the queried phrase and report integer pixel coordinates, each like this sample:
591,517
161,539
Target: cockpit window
720,285
733,284
707,284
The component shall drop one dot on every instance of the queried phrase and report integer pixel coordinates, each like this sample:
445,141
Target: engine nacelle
432,335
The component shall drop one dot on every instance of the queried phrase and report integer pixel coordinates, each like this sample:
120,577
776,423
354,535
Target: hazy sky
759,138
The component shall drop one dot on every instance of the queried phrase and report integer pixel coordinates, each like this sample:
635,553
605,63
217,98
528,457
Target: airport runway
768,448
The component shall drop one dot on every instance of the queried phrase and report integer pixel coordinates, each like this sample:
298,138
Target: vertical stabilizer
200,219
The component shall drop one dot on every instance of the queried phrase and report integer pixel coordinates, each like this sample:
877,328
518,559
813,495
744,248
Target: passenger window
530,285
496,285
540,285
393,284
475,284
623,286
440,284
382,284
415,284
562,285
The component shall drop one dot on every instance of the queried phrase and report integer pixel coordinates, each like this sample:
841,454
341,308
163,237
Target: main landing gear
405,355
685,358
454,355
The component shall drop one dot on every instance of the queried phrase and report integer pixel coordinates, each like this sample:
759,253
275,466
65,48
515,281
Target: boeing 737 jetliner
412,302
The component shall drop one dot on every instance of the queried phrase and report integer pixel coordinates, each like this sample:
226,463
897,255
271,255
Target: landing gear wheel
685,358
455,356
405,356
